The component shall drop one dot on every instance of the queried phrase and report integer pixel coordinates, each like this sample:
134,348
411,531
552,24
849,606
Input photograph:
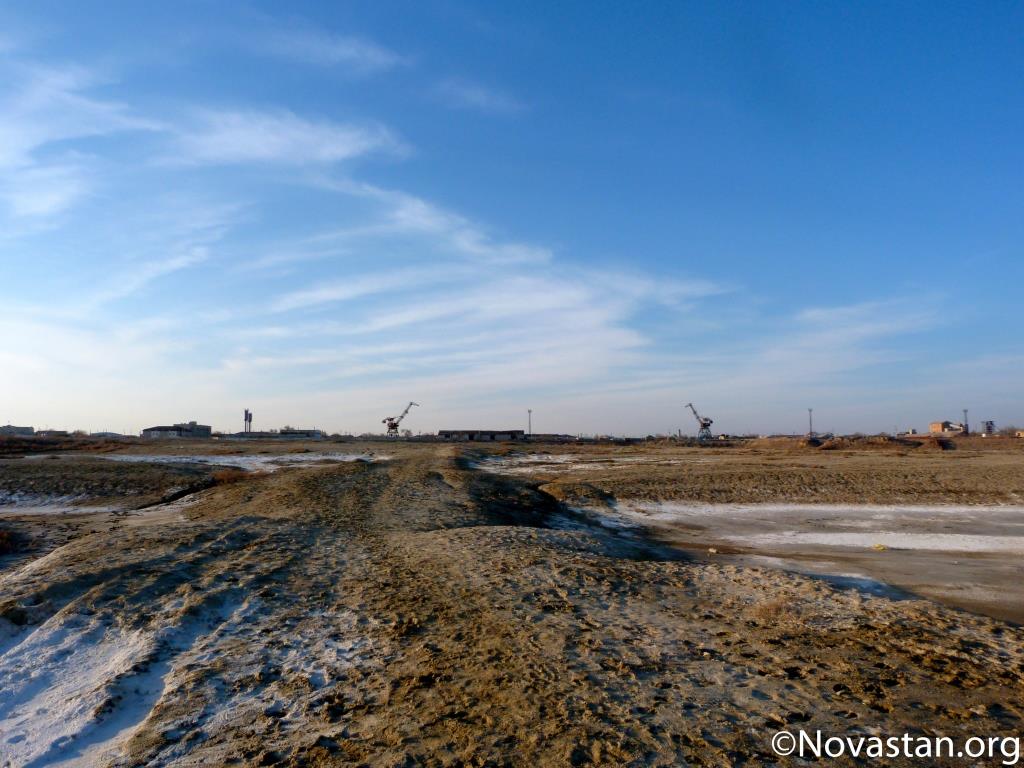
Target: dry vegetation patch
230,475
8,543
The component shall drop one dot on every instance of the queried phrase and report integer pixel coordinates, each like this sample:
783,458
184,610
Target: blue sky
599,211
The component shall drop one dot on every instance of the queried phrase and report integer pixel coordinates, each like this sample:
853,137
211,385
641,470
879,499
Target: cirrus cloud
223,137
355,54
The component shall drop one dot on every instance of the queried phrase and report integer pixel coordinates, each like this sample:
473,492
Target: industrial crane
704,432
393,421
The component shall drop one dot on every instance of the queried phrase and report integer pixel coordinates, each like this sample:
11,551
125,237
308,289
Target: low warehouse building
481,435
189,429
288,433
9,430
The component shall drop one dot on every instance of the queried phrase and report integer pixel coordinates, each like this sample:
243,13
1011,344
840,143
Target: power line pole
529,422
810,422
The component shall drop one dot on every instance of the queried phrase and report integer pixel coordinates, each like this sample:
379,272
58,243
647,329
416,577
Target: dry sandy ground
417,611
976,471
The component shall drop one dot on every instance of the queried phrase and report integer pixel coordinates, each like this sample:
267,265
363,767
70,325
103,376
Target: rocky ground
418,611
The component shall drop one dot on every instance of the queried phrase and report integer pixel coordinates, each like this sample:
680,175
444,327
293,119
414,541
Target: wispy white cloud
867,320
814,347
465,94
44,105
42,189
533,325
402,213
173,237
395,217
282,137
334,291
41,109
353,54
140,275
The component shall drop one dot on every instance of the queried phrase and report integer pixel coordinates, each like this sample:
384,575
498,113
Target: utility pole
967,429
810,422
529,422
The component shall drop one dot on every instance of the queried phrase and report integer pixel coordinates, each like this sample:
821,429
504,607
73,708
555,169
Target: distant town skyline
321,212
977,427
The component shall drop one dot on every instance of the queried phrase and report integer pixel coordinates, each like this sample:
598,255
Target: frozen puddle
251,462
534,463
965,556
980,529
20,504
934,542
36,504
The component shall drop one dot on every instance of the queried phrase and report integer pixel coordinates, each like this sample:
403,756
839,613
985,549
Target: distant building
481,435
52,433
9,430
287,433
946,428
189,429
290,433
551,437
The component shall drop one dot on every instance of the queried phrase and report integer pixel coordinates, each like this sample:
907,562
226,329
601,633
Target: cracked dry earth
418,612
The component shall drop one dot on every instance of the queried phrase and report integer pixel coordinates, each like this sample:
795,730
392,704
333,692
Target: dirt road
416,611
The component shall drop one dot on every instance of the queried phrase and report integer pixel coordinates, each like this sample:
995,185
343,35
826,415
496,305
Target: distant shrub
770,611
8,543
228,476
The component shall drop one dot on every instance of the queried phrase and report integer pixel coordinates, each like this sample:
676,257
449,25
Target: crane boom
410,405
